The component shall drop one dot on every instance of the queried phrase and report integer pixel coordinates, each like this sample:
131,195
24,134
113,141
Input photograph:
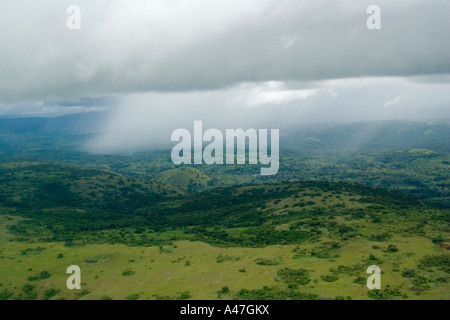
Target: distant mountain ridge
71,132
68,125
377,135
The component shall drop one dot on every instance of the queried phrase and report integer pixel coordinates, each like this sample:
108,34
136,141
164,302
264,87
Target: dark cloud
128,46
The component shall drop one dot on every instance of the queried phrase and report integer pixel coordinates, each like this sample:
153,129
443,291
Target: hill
38,185
186,179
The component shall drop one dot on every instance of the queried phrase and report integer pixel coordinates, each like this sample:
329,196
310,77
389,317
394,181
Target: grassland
191,269
141,227
347,229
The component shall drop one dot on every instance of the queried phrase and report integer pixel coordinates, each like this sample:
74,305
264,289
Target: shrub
329,278
184,295
438,240
224,290
44,275
360,280
267,261
135,296
373,260
380,237
29,291
291,276
441,262
128,272
50,293
41,276
222,258
83,292
409,273
386,294
391,248
5,295
267,293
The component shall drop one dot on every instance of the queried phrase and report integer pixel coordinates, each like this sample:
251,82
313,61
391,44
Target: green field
331,233
193,269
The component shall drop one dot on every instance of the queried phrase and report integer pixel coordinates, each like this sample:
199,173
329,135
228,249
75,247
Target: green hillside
37,185
307,240
184,179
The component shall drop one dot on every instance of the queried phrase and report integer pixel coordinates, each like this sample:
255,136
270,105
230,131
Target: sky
156,65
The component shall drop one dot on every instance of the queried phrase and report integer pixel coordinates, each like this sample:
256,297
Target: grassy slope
23,178
162,272
183,179
165,273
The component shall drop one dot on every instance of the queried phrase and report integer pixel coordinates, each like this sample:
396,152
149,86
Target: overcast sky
155,63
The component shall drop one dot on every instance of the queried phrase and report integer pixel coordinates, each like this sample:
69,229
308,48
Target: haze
160,65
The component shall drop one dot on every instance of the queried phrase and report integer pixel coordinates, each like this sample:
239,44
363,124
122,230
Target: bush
268,261
385,294
372,259
329,278
440,262
41,276
438,240
409,273
267,293
222,258
290,276
360,280
50,293
184,295
128,272
135,296
391,248
83,293
5,295
29,291
225,290
380,237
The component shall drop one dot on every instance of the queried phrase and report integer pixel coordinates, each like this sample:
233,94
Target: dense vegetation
307,233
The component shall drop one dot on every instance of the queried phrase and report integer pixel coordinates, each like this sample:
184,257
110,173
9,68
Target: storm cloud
131,46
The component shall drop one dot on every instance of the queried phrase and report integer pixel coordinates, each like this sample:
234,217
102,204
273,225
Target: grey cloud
128,46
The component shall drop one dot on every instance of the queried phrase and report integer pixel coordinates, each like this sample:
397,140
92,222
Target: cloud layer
129,46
